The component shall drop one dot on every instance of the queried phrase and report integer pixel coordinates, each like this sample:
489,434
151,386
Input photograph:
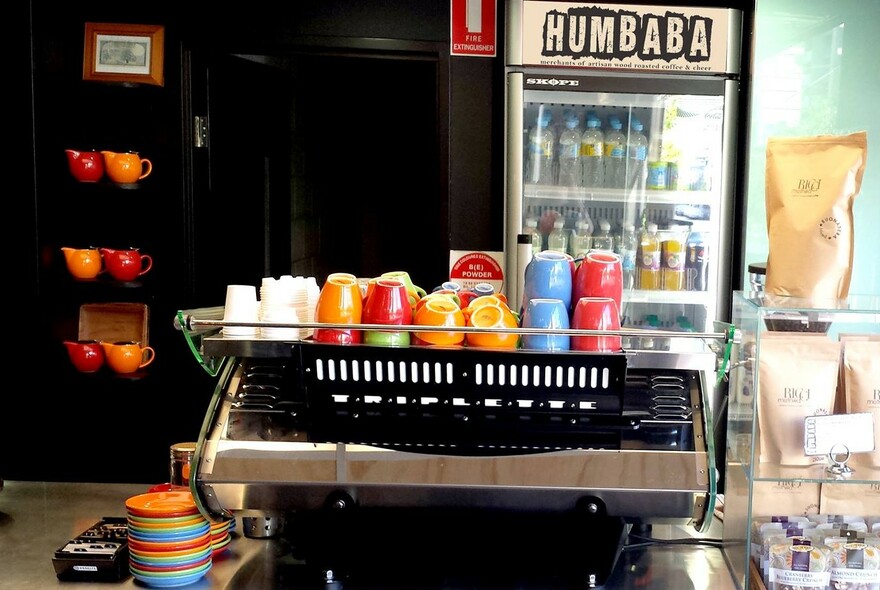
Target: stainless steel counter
36,518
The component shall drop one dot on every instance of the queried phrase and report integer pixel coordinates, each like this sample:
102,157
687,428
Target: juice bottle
649,259
672,263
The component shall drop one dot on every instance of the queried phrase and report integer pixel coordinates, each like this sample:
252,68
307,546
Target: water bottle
531,228
615,155
592,154
629,245
637,156
542,148
569,153
603,239
558,238
582,240
649,258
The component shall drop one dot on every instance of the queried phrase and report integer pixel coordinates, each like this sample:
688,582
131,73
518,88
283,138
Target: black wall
103,427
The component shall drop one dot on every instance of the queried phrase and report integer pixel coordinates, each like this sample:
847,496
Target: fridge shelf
611,195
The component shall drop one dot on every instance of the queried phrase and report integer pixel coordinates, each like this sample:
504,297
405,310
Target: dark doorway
318,163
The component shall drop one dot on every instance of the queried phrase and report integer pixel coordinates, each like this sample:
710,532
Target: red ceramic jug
126,265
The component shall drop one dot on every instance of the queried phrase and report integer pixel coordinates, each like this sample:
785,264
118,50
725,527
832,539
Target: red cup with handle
596,313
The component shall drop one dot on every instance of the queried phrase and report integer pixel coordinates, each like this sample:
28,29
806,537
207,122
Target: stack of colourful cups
170,542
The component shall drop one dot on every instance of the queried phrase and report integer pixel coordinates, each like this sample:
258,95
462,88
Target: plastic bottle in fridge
629,245
672,264
558,238
649,258
570,153
542,148
603,240
581,241
593,154
637,156
615,155
531,228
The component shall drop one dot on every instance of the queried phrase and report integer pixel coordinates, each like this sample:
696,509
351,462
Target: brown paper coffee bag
810,187
797,378
861,371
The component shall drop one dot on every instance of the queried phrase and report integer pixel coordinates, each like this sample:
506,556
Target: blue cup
548,276
546,313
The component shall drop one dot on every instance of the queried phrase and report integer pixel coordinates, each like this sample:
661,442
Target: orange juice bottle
649,258
672,262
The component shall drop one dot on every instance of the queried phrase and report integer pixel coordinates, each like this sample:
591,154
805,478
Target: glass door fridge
621,135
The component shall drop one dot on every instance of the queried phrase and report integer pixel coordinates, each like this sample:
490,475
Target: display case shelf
748,479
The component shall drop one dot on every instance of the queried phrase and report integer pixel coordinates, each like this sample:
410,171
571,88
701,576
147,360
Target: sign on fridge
630,36
467,268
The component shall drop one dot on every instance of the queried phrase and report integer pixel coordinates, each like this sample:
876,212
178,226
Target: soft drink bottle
569,153
629,245
615,155
649,258
637,156
582,239
592,154
542,147
531,228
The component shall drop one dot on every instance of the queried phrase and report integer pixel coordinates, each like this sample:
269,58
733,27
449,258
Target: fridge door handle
513,147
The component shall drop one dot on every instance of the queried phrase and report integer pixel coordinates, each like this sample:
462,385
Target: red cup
86,355
599,275
596,313
387,304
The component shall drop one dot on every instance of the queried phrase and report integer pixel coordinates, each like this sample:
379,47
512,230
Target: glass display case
763,481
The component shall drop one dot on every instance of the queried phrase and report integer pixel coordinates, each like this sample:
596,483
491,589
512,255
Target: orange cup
439,312
339,302
492,316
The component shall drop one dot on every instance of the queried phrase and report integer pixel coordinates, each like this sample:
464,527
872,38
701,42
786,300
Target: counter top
37,518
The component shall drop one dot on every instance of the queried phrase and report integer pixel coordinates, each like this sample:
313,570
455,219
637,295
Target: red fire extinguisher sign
473,27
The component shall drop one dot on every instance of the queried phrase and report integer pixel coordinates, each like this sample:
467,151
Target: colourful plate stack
169,540
220,538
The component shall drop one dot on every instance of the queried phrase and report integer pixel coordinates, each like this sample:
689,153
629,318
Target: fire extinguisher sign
467,268
473,27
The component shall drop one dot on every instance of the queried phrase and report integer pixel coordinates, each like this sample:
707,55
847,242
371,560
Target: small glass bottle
558,238
582,240
531,228
603,239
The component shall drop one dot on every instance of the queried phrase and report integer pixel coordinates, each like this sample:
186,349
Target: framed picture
124,53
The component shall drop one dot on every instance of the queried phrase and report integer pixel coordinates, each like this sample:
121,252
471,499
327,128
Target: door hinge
200,131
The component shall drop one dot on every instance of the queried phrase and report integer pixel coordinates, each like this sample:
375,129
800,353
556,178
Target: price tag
839,433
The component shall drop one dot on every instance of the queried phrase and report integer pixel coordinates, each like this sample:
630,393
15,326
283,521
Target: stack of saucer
170,542
220,537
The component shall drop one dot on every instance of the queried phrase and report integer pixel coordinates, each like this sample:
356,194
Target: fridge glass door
636,173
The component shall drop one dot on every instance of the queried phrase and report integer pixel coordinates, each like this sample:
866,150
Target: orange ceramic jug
83,263
127,167
127,357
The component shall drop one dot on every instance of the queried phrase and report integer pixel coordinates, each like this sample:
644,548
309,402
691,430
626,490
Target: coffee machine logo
593,32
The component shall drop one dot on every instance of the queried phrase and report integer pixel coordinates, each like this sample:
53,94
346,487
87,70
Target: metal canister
181,462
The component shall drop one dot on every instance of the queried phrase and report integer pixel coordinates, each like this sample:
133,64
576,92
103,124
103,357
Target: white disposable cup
241,306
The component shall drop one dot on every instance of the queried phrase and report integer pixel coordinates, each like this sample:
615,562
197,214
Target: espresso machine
353,450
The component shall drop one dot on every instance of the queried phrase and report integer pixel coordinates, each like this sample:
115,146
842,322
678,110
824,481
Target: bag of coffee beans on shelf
861,376
810,186
798,378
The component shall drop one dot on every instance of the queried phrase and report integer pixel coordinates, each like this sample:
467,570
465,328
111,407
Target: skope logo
551,82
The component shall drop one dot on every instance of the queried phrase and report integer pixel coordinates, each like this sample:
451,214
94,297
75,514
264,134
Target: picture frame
129,53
